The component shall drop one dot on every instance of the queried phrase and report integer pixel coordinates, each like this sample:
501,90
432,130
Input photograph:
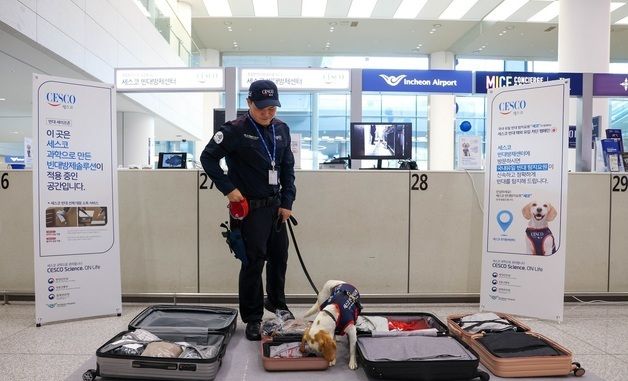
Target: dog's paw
332,363
353,365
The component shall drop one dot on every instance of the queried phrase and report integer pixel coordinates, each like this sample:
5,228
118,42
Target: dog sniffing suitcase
168,342
413,346
509,348
280,347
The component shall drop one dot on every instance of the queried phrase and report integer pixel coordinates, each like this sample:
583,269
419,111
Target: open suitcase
279,340
509,348
206,329
423,350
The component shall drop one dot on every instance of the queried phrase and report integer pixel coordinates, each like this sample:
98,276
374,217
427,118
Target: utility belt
271,201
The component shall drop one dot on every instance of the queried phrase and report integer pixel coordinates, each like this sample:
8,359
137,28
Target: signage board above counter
169,79
299,79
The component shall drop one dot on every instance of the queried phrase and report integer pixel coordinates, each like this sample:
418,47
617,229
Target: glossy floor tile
596,333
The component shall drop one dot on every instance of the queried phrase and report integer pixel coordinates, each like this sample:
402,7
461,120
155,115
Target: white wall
99,35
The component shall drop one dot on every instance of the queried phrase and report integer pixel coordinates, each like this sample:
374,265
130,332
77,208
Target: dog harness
347,300
537,237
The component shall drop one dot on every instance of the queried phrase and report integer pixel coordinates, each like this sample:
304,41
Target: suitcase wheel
89,375
578,371
483,375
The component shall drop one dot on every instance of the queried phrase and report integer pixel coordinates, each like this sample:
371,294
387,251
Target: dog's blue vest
537,237
347,299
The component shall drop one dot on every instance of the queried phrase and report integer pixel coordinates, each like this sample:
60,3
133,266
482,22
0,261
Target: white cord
475,191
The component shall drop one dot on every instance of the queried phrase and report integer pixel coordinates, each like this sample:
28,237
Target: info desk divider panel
158,230
353,226
218,268
588,203
16,231
445,232
619,233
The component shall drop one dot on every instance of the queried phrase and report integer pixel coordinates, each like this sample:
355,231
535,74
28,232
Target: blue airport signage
485,80
14,159
417,81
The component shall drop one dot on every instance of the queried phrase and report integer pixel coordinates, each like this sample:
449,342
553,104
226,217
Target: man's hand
235,196
285,213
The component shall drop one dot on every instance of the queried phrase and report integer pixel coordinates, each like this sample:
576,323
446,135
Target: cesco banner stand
75,200
524,243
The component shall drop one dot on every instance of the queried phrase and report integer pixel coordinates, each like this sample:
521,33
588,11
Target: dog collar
330,315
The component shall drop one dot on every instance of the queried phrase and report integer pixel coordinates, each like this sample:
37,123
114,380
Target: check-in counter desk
393,233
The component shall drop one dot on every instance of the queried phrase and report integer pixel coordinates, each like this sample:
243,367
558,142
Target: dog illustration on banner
539,237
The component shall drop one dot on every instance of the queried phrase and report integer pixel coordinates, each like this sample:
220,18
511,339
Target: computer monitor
172,160
381,141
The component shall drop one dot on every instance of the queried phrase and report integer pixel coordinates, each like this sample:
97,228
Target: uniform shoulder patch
218,137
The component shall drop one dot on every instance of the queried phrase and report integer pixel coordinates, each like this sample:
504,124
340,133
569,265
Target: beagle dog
338,306
539,237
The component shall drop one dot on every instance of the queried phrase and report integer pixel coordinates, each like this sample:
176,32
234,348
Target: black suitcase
428,353
207,326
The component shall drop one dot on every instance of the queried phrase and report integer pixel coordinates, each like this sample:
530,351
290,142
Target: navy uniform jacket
248,161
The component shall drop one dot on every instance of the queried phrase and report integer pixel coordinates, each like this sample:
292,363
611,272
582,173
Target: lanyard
259,133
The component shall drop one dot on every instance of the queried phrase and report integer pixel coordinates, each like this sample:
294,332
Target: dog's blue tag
504,219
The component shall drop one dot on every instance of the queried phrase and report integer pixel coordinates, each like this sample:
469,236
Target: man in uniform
256,147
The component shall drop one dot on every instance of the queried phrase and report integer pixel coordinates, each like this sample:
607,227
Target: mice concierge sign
75,200
524,245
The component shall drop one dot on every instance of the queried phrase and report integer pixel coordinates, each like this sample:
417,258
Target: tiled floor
596,333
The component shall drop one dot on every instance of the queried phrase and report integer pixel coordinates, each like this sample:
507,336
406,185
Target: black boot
253,331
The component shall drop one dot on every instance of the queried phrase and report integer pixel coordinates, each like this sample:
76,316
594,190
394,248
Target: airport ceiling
379,34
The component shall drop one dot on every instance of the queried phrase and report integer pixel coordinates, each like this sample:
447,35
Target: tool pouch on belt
233,236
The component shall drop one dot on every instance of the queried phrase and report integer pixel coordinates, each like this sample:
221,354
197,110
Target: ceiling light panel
615,6
361,8
313,8
457,9
546,14
505,10
409,9
265,8
218,8
623,21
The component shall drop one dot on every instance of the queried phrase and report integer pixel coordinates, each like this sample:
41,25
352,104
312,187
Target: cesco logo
510,106
56,99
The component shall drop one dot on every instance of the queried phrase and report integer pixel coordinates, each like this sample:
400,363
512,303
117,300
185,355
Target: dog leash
291,221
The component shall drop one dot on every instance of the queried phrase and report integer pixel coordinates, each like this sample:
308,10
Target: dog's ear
551,212
526,211
306,335
327,345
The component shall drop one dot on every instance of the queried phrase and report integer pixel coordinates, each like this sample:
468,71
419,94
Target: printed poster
75,200
470,152
524,245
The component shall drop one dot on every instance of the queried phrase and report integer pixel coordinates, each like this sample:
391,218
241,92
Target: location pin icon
504,219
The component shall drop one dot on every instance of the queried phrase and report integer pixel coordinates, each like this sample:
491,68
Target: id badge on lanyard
273,178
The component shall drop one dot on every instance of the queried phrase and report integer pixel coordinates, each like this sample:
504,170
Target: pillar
584,47
441,116
138,145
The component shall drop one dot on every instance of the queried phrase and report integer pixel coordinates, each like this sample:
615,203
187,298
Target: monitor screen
172,160
382,141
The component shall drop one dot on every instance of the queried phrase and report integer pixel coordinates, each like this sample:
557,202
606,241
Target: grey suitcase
207,326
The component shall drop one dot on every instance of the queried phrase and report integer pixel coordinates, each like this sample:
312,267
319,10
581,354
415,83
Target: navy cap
264,93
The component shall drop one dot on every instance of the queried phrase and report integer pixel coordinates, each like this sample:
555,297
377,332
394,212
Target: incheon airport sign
485,80
169,79
417,81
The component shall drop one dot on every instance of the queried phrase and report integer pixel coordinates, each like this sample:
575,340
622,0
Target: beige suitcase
499,364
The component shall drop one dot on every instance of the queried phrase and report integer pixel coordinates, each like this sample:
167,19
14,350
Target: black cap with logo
264,93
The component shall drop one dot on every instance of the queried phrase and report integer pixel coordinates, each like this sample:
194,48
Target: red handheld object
239,209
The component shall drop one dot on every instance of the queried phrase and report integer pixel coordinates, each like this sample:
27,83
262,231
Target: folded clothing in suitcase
280,346
508,348
166,342
392,349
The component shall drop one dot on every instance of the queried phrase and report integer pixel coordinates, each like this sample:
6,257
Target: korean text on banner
524,243
75,200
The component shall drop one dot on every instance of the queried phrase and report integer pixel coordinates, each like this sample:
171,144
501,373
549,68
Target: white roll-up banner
525,202
75,200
